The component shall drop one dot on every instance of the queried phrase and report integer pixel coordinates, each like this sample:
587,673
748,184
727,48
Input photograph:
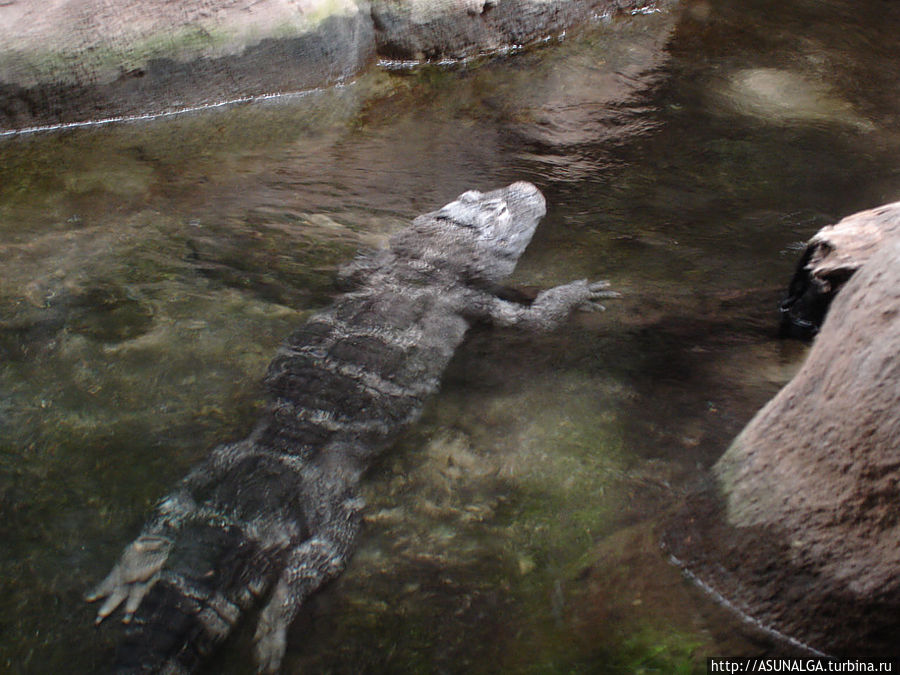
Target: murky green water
150,270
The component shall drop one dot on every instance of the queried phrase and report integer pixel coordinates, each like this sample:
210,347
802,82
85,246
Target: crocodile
265,521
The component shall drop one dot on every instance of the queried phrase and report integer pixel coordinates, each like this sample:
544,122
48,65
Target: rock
779,96
71,61
439,29
153,56
801,530
831,257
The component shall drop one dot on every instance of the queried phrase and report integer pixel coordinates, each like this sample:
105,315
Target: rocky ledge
65,61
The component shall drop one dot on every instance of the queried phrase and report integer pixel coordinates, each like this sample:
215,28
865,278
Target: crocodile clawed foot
598,290
132,577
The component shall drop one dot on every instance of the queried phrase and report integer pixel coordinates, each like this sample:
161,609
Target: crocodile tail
212,576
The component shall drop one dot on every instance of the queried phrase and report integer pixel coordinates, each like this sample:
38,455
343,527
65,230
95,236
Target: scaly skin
274,516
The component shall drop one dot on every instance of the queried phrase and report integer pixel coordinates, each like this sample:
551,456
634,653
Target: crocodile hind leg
139,567
142,560
311,564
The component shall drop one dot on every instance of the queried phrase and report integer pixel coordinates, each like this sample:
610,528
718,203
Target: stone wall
64,61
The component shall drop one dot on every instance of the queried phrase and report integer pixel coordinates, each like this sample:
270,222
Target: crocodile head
479,234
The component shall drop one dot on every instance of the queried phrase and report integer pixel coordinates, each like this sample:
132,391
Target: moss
105,62
54,59
652,651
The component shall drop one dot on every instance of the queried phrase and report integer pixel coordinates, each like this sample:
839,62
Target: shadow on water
150,270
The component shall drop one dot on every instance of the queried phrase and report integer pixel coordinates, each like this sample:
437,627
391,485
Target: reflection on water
150,269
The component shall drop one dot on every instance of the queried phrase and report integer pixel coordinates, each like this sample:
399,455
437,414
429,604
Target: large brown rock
802,528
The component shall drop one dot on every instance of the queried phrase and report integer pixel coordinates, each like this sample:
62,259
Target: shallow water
149,270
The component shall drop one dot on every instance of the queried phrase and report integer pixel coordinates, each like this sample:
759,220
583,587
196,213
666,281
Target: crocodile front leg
549,309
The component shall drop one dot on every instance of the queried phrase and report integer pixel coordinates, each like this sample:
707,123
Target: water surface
149,271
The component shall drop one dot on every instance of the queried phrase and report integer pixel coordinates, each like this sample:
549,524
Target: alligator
269,519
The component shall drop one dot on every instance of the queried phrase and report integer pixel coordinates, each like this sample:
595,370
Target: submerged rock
801,530
783,96
831,257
